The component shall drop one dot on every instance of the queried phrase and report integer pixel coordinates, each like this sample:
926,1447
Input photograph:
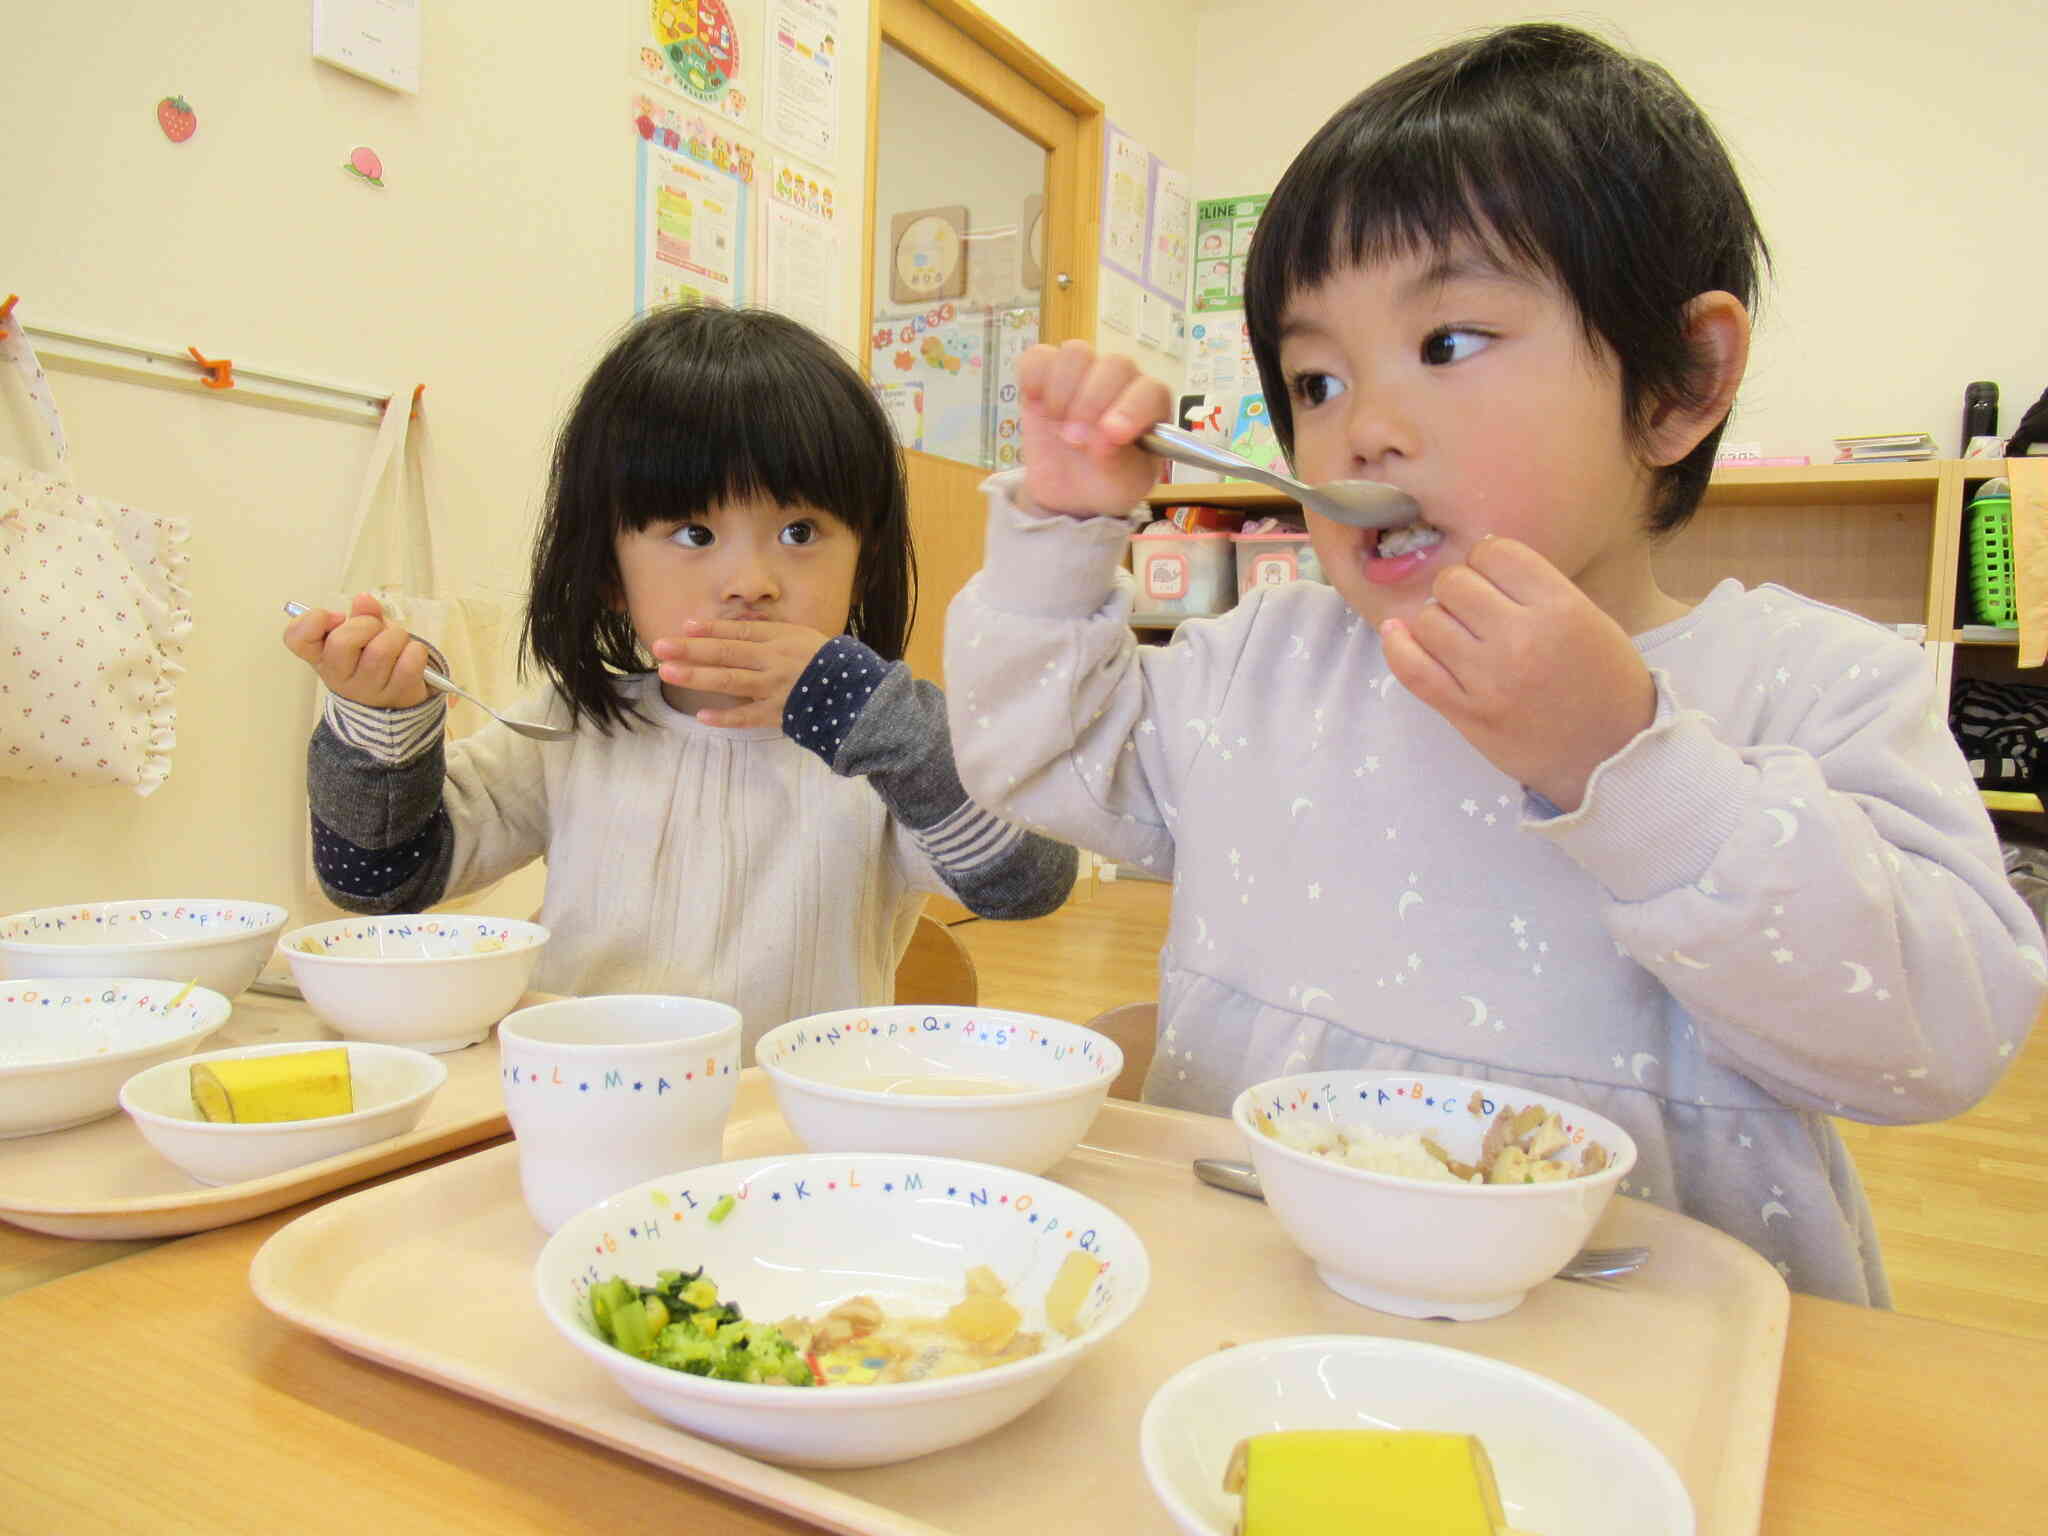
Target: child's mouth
1407,540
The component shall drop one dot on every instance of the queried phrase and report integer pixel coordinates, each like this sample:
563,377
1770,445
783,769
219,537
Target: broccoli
681,1323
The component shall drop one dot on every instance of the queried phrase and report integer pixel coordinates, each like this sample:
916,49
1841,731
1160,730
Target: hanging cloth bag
392,554
93,615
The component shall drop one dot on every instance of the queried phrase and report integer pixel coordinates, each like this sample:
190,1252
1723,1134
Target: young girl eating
757,796
1493,803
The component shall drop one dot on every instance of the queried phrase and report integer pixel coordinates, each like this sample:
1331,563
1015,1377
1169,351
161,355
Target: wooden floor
1962,1205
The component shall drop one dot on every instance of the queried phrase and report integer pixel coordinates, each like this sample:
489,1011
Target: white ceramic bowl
1416,1247
831,1073
809,1231
435,983
393,1087
67,1046
221,944
1563,1462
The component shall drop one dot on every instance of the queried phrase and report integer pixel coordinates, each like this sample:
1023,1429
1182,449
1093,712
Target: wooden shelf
1812,485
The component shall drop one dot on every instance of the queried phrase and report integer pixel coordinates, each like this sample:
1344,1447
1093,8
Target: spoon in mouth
1356,503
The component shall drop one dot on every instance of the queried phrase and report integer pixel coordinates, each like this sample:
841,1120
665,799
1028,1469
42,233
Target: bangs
1446,176
733,420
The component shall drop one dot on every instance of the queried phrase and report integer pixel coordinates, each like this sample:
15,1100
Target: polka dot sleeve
831,694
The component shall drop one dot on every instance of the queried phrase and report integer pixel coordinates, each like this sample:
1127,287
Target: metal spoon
1586,1264
441,684
1360,503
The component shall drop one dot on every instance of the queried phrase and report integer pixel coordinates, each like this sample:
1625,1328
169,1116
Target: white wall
1893,153
494,264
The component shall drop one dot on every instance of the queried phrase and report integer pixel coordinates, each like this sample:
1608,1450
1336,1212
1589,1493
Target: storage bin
1181,576
1268,559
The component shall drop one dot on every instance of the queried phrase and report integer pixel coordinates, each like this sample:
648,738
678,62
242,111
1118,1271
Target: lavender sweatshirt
1782,901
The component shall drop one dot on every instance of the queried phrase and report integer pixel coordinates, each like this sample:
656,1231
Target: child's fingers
744,716
692,651
1517,570
740,682
1416,669
364,606
306,636
1143,404
1034,368
1064,374
1471,598
1101,387
377,661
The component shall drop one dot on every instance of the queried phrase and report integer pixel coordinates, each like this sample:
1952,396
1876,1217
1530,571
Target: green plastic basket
1990,549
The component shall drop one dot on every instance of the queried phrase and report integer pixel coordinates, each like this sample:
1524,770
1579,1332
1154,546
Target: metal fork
1586,1264
441,684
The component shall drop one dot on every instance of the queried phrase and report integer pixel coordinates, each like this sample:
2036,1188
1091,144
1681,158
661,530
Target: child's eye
1315,388
1452,346
800,533
693,536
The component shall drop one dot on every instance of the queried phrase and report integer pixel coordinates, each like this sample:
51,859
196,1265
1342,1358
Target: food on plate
681,1323
1522,1146
1391,1482
260,1090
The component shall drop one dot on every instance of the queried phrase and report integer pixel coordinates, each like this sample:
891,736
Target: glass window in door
959,265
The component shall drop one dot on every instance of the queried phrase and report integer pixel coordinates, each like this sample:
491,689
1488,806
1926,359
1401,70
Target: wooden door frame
1073,176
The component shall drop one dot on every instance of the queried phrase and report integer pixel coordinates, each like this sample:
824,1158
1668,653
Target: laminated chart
691,235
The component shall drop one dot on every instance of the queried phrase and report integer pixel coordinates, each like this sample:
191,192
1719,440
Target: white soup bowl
67,1046
1421,1247
220,944
433,982
872,1080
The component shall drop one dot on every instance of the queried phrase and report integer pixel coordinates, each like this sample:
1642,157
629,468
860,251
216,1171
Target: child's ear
1717,332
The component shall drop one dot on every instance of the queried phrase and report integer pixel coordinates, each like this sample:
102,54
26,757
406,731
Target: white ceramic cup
608,1092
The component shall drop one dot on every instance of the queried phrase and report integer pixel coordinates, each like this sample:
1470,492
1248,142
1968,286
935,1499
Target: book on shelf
1884,447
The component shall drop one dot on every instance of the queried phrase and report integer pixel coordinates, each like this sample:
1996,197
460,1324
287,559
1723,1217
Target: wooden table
155,1393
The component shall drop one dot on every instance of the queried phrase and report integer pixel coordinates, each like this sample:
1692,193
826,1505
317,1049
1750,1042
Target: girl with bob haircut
1491,803
756,796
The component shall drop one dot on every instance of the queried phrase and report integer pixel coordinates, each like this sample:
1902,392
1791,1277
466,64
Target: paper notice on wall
1126,202
1167,246
903,404
1116,303
1015,330
803,78
707,50
1152,311
800,258
1220,356
1223,238
690,231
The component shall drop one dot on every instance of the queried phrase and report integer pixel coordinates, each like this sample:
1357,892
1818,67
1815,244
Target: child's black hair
696,405
1553,152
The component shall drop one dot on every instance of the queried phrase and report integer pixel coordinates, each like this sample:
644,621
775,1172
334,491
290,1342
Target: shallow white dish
393,1087
1566,1466
1415,1247
67,1046
220,944
434,983
809,1231
831,1073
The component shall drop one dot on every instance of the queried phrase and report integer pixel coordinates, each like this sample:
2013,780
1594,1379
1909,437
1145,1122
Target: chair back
936,967
1135,1029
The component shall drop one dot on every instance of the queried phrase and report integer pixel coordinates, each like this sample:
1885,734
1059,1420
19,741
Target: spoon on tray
441,684
1359,503
1586,1264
